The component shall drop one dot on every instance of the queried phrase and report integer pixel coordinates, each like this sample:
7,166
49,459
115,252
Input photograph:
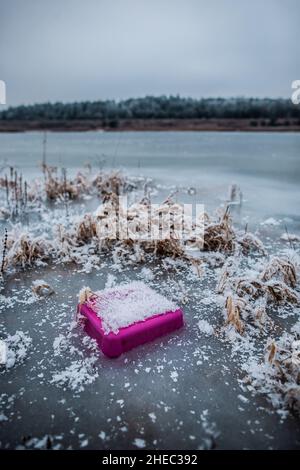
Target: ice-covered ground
187,390
205,386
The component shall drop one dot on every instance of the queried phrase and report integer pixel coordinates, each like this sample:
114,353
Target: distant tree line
162,107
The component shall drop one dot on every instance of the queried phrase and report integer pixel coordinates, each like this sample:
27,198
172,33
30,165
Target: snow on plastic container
127,316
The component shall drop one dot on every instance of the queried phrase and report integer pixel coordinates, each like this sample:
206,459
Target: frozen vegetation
240,295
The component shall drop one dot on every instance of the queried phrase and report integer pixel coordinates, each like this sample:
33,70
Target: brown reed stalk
4,253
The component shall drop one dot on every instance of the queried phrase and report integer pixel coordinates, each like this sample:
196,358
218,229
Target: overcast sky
73,50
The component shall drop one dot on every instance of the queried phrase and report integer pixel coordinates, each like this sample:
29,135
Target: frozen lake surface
265,165
186,390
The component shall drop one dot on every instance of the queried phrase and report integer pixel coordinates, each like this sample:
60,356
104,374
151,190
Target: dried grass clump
68,249
279,292
171,248
284,358
25,250
280,278
249,242
278,374
80,240
167,248
60,188
106,185
109,183
220,236
82,183
16,194
252,288
280,268
127,232
234,307
86,229
3,255
251,296
42,289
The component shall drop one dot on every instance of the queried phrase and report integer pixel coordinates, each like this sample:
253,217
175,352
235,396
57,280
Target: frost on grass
253,291
25,249
250,296
277,376
251,288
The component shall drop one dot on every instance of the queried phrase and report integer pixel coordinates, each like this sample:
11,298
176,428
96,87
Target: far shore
223,125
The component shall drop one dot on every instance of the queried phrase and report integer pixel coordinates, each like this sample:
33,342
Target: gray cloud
68,50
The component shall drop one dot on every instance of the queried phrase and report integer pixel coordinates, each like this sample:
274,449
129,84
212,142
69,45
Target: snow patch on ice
205,327
140,443
270,221
17,346
78,374
147,274
290,237
174,375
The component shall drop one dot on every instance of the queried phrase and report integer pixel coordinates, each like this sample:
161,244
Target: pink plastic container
114,344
